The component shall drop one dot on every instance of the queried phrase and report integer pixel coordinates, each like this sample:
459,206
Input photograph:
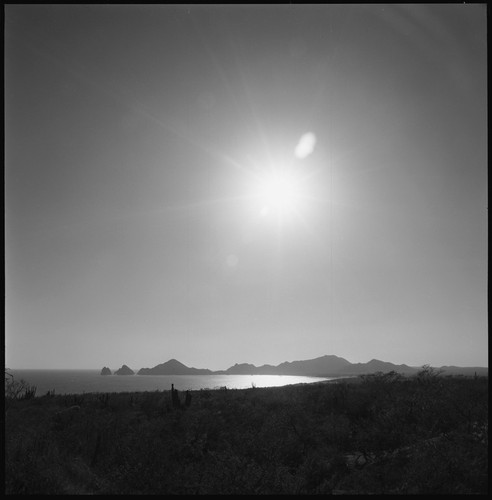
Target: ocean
87,381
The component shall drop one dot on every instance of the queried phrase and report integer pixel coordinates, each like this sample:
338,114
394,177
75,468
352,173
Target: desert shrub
16,390
426,434
319,472
335,431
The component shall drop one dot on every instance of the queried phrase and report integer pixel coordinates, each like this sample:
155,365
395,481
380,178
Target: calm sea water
85,381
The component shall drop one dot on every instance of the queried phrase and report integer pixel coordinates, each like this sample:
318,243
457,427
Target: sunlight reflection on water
85,381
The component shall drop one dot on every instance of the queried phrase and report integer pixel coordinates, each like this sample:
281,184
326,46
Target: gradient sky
135,228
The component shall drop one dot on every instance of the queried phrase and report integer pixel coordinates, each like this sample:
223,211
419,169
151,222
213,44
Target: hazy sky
159,204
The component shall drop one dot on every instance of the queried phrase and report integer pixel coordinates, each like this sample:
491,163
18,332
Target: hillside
173,367
324,366
385,434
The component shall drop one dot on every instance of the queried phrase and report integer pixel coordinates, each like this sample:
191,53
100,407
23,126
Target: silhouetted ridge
324,366
173,367
124,370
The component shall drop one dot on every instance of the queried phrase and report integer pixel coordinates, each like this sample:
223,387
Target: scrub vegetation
375,434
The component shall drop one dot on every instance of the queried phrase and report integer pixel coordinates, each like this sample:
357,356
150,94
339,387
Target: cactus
175,397
188,399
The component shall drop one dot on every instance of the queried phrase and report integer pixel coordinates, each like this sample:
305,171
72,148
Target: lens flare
305,146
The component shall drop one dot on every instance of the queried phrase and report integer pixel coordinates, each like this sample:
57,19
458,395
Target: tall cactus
175,397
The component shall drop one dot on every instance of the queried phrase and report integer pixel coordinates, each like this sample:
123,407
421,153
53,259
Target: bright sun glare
281,190
278,188
278,192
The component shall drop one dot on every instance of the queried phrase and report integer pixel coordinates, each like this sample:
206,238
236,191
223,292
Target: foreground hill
370,435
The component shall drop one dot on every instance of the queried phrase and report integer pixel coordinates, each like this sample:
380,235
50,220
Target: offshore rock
124,370
105,371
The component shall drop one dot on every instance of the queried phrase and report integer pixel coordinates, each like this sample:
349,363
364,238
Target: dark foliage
377,434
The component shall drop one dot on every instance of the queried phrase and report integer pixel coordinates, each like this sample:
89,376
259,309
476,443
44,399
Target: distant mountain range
324,366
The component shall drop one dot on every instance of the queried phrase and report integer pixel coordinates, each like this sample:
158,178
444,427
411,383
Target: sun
278,184
278,193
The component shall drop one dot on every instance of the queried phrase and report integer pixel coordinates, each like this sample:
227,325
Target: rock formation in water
124,370
105,371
